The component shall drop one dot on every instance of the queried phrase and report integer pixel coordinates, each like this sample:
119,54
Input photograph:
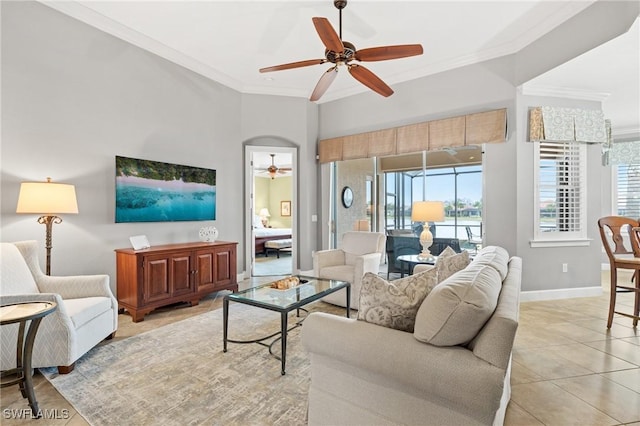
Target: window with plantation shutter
628,190
560,176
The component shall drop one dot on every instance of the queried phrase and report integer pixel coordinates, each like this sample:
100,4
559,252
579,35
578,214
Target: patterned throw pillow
449,262
394,304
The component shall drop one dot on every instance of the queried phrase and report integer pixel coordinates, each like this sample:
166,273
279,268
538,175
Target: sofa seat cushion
457,309
394,304
83,310
338,272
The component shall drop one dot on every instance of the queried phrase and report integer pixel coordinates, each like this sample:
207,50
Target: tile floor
567,367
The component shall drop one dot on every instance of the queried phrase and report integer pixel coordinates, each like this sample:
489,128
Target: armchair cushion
83,310
394,304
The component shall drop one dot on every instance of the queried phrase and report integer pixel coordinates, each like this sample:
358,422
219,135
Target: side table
409,261
22,313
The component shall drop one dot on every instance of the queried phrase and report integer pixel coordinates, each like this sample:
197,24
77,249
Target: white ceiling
228,41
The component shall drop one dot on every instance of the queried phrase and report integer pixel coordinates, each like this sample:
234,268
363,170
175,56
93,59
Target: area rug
178,374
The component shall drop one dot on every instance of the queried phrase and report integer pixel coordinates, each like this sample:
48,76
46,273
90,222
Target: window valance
464,130
624,152
560,124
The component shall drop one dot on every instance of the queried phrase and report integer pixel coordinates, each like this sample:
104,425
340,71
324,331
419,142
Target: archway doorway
271,215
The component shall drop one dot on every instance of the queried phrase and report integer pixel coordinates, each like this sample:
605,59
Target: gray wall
74,97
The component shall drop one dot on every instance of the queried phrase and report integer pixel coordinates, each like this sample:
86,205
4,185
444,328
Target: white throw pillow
457,309
394,304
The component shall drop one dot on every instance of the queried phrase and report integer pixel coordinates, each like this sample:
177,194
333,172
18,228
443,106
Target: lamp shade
47,198
361,225
427,211
264,212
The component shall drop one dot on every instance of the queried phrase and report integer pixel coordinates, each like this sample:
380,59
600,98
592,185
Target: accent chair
360,252
86,314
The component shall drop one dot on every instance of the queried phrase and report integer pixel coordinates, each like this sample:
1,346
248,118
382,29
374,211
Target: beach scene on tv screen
152,191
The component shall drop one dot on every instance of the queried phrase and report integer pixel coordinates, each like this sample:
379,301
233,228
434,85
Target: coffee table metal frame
292,303
28,311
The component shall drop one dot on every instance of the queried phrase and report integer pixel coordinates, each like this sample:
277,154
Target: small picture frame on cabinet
139,242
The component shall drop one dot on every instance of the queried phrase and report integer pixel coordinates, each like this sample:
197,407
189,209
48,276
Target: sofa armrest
452,374
324,258
74,287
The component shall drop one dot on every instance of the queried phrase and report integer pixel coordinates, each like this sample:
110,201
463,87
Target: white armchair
360,252
87,311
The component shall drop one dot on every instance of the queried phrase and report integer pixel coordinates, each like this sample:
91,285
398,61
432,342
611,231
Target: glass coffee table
409,261
282,301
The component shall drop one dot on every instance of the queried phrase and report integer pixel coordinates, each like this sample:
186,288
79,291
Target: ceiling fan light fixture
341,52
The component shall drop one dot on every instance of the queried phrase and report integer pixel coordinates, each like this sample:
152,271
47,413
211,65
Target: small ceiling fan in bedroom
340,52
273,170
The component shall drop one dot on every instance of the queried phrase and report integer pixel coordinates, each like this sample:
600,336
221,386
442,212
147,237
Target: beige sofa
363,373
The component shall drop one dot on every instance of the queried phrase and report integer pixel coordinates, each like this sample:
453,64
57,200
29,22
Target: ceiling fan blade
328,35
370,80
384,53
324,83
293,65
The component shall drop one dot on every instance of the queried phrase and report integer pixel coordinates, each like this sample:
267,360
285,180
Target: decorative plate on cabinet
208,234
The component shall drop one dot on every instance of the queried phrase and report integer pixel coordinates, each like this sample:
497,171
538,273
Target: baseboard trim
560,293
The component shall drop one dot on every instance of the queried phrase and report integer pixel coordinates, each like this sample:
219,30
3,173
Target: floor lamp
49,199
427,211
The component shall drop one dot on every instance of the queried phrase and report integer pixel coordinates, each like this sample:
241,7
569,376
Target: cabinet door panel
156,279
222,267
181,272
205,271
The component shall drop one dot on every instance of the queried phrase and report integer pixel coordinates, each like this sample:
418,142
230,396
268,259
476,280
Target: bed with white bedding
261,235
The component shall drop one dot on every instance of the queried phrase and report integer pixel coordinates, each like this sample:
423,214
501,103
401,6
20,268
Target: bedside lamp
47,198
264,214
427,211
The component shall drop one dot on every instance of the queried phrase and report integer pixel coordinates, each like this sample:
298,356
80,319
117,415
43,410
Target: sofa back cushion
496,257
16,276
456,309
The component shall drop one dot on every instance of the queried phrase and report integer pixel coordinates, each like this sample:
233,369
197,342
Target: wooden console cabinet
161,275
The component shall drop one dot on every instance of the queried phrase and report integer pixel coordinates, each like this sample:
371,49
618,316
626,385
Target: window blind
561,189
628,190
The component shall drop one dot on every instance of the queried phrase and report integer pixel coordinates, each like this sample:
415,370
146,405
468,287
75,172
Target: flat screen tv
151,191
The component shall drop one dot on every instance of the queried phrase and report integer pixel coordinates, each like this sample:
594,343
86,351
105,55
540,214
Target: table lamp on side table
427,211
47,198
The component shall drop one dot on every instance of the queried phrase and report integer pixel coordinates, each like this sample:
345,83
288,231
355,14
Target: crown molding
563,92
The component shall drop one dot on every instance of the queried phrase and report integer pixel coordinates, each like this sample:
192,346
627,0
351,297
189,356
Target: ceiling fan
273,170
340,52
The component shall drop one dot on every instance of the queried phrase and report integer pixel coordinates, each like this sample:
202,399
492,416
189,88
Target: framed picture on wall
285,208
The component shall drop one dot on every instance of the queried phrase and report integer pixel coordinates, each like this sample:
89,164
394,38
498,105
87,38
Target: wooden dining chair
621,240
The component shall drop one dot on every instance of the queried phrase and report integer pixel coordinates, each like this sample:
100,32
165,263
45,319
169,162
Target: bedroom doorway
271,219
